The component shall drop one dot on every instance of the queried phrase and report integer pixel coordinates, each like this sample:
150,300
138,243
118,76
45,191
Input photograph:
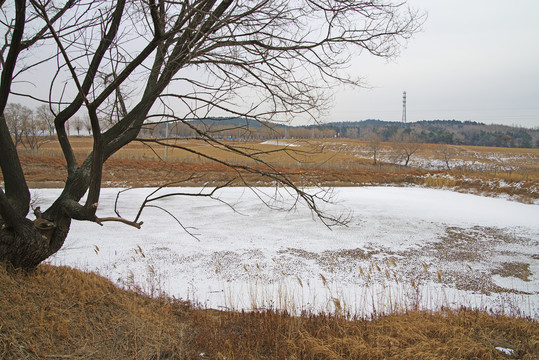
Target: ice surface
404,248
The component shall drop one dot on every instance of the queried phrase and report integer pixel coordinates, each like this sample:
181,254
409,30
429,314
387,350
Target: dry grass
329,162
61,313
319,153
305,152
56,312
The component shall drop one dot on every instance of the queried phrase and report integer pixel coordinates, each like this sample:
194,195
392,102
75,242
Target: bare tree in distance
178,61
406,146
87,125
374,144
446,153
35,133
17,117
26,128
78,124
44,113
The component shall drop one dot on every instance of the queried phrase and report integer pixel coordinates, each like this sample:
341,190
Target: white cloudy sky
474,60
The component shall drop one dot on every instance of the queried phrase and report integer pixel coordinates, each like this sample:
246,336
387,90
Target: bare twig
100,221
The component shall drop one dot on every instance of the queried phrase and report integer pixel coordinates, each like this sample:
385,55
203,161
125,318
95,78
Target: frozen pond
404,248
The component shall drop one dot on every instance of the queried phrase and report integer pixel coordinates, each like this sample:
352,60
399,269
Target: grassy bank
61,313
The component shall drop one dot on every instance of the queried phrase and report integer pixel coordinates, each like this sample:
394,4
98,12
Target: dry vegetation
61,313
330,162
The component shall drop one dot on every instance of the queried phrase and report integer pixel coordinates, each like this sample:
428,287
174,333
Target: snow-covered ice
404,247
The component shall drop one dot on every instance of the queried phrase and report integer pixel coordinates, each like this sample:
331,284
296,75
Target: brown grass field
62,313
329,162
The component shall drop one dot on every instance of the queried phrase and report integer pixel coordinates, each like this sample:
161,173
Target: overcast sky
474,60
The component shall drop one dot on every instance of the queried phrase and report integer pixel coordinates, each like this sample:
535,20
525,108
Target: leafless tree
88,125
374,145
44,114
446,153
26,128
78,124
406,146
17,117
351,132
35,130
138,62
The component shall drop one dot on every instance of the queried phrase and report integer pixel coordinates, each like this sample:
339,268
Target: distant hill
453,132
442,132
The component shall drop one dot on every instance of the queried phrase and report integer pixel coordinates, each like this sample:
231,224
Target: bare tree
445,153
351,132
178,61
406,146
34,130
44,114
26,128
18,118
374,145
78,124
88,125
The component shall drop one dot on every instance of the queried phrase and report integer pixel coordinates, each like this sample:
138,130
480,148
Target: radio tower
404,108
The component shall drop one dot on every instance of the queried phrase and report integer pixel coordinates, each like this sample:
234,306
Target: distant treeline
451,132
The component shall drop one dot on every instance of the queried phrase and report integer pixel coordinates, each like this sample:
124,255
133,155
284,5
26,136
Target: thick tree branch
7,213
83,88
13,53
17,193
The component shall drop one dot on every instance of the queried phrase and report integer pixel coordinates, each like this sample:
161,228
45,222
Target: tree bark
16,189
29,243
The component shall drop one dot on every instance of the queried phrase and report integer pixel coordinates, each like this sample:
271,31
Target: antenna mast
404,108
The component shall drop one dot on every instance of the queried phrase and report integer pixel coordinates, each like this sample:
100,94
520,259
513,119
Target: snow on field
458,158
289,143
404,248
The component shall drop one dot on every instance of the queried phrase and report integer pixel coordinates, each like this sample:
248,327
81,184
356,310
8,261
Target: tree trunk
33,241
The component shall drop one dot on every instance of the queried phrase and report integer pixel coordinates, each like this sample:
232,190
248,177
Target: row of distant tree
451,132
30,127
